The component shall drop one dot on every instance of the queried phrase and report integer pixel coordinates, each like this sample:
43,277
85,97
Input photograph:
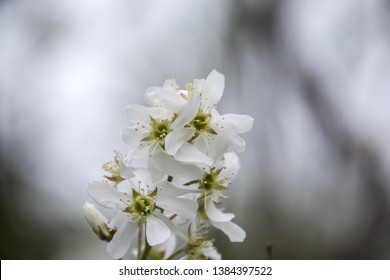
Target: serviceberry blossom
188,152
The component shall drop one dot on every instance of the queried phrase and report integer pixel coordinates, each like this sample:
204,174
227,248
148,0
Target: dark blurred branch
348,148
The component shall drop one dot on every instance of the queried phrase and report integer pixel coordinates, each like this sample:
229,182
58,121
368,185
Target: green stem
139,247
178,252
146,251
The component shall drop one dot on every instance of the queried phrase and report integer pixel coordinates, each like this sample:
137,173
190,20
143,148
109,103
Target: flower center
210,182
142,206
201,121
159,130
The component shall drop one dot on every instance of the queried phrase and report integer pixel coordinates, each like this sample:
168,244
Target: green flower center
142,206
210,182
201,121
159,130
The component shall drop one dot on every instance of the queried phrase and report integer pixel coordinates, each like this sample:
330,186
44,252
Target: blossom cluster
168,189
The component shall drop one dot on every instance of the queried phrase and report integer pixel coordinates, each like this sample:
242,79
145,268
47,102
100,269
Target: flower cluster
168,189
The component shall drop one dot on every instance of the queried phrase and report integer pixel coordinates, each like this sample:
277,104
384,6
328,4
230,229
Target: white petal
106,195
232,230
188,112
183,207
122,239
168,247
215,214
238,123
170,84
167,190
199,85
175,139
126,171
132,137
189,154
137,114
142,180
231,167
211,253
238,144
167,98
157,231
160,113
214,87
169,166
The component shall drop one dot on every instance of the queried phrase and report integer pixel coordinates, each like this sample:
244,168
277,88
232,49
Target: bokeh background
315,75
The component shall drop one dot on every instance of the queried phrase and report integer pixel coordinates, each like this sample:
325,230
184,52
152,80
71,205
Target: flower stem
146,251
178,252
139,247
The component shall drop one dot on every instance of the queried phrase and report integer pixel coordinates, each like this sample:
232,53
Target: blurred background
315,75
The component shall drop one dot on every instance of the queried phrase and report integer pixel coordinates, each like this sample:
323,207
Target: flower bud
98,222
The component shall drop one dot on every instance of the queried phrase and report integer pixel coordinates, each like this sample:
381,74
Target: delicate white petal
238,123
160,113
189,154
199,85
168,247
231,167
214,87
170,84
183,207
142,180
137,114
167,190
238,144
174,230
157,231
169,166
164,97
211,253
215,214
132,137
175,139
188,112
106,195
126,171
232,230
121,241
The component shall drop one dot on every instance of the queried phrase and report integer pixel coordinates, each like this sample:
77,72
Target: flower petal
122,239
189,154
230,168
176,138
232,230
214,87
238,123
169,166
106,195
132,137
157,231
165,97
137,114
167,190
142,180
188,112
183,207
215,214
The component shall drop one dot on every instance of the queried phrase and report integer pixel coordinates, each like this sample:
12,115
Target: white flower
223,221
197,120
118,169
142,204
149,127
